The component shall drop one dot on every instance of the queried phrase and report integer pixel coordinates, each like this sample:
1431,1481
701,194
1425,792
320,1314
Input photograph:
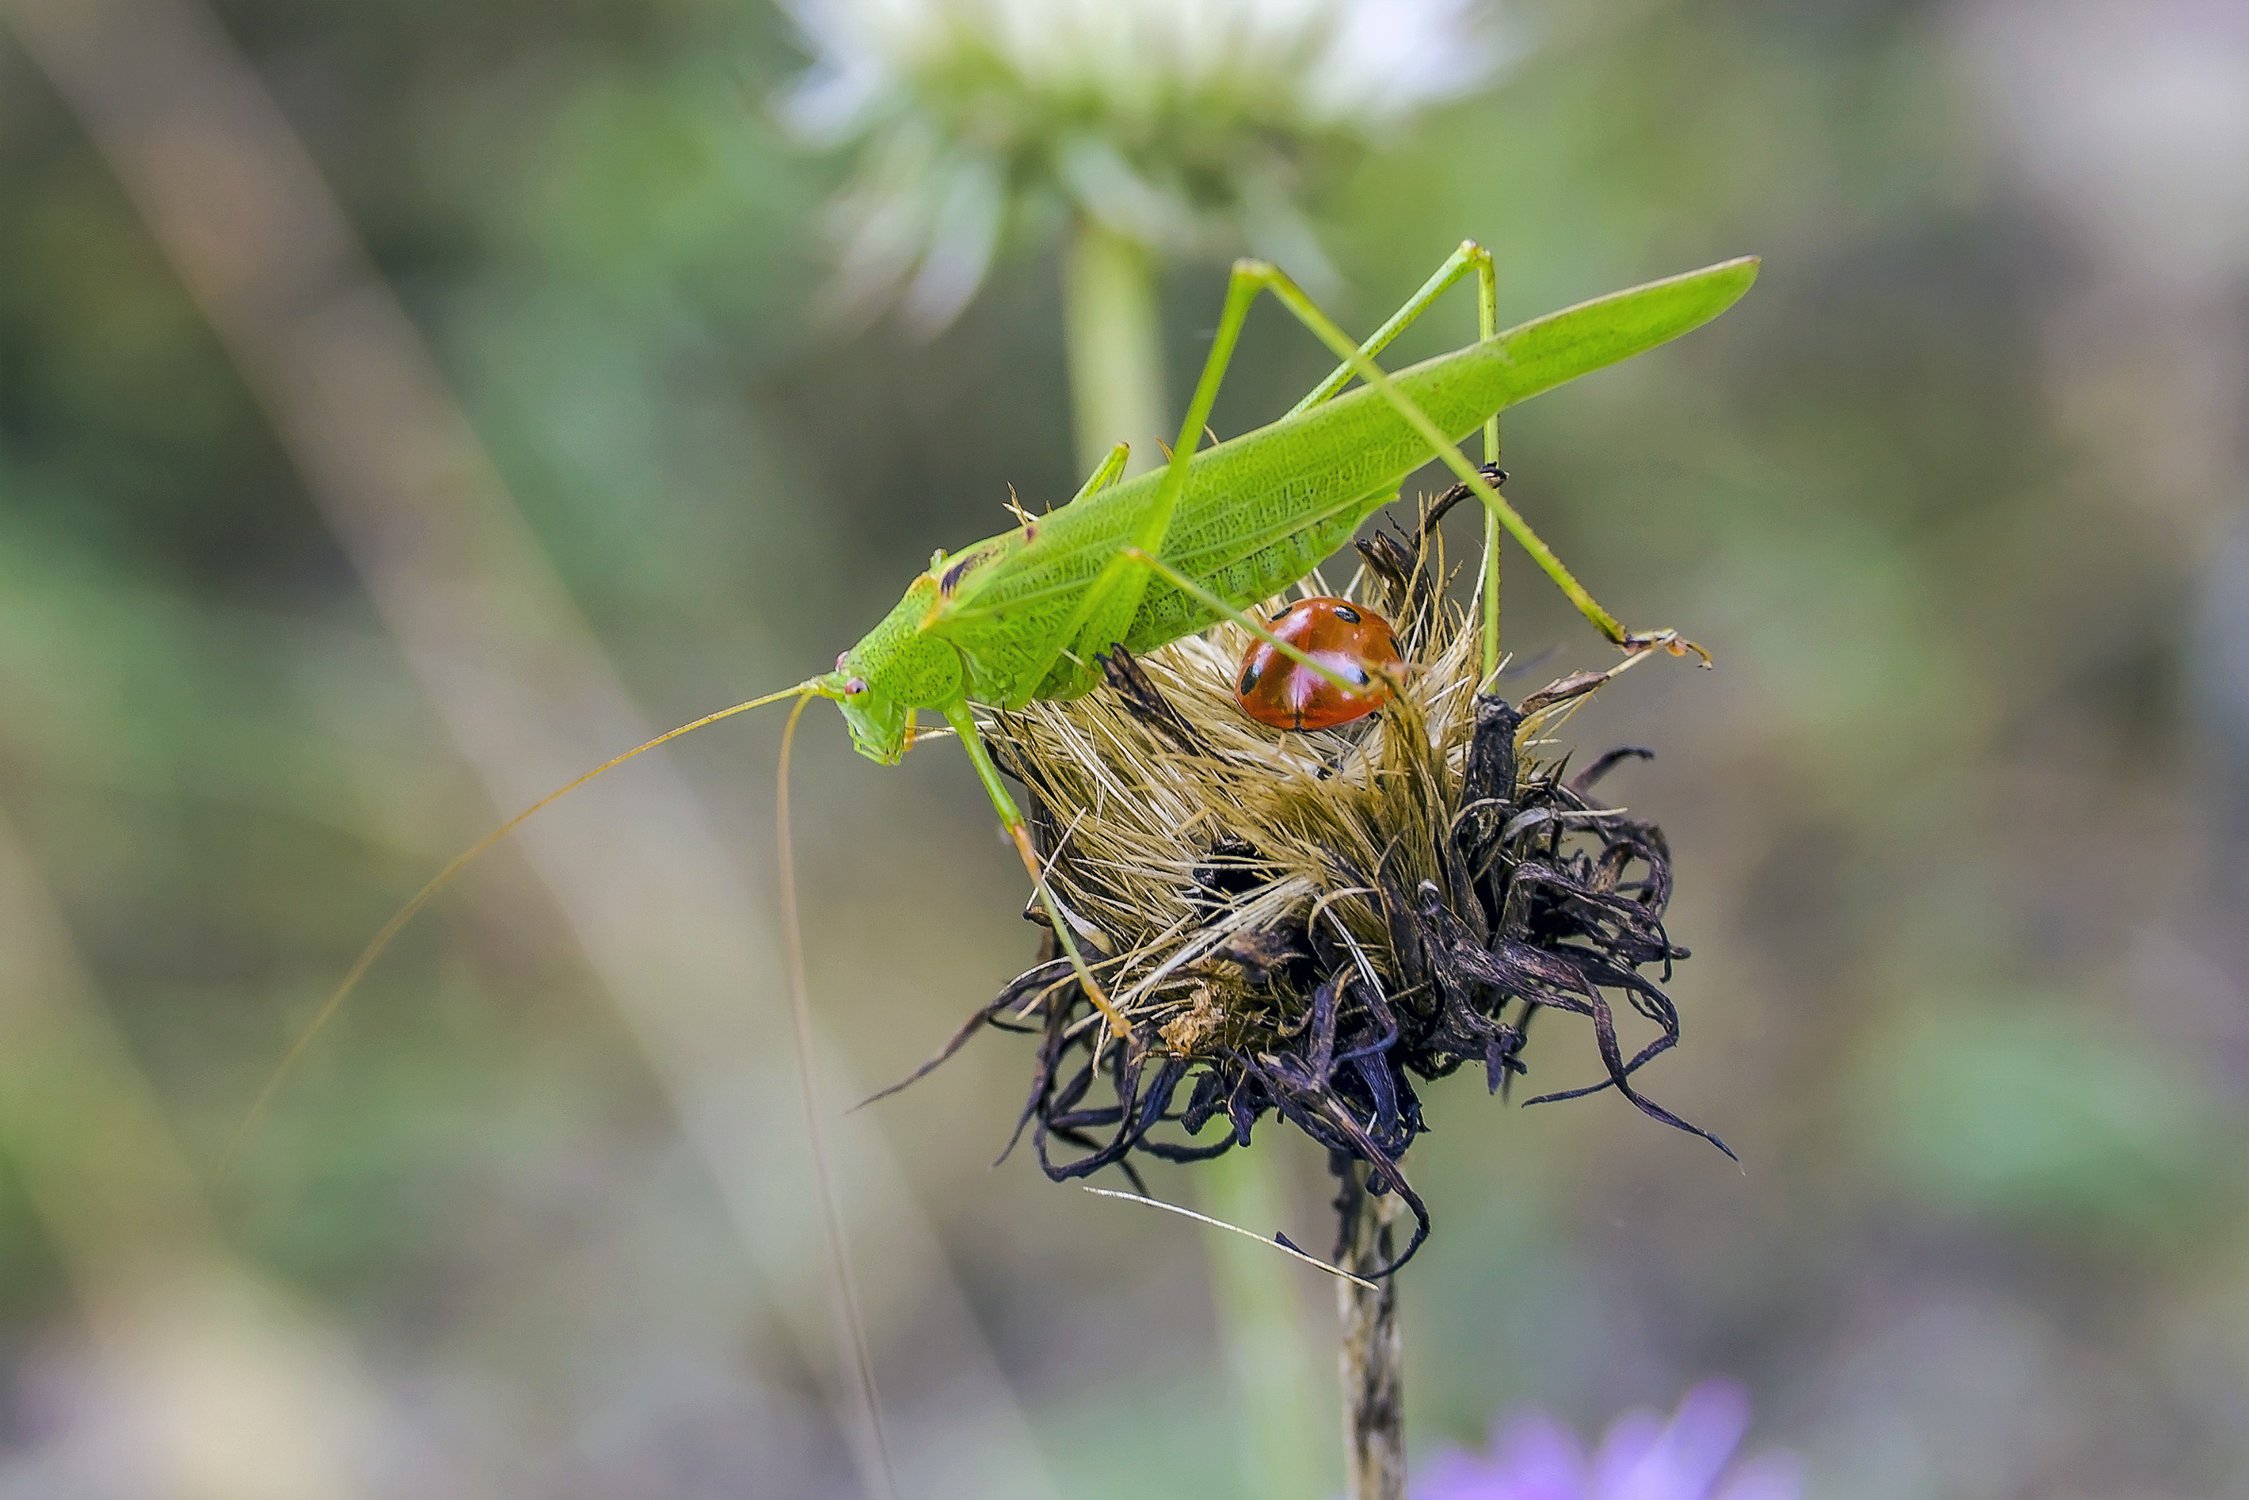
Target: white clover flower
1180,123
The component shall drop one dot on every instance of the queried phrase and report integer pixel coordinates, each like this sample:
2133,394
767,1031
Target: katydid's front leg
963,720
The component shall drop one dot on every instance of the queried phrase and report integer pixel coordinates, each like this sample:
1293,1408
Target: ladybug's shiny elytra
1348,639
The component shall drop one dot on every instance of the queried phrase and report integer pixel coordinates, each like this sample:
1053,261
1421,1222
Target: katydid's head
895,668
878,717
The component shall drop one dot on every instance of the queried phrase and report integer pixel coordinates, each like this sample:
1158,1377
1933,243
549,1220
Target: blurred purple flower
1645,1456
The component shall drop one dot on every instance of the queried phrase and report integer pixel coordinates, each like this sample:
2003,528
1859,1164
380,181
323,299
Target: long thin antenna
803,692
844,1288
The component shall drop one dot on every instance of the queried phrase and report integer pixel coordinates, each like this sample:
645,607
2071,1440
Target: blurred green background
1955,497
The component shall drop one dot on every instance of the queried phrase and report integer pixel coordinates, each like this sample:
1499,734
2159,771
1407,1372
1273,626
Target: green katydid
1140,562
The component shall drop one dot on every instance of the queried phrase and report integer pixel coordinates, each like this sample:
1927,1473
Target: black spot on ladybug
1359,676
1250,674
1347,614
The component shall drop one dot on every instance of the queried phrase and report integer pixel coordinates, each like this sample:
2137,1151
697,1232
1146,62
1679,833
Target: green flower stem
1278,1377
1115,342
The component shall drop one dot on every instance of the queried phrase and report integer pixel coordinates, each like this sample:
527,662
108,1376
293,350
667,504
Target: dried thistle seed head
1314,925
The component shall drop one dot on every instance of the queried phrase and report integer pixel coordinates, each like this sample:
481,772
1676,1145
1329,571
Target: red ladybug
1349,639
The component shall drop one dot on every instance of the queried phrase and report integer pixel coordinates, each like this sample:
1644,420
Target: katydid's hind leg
1112,600
1470,256
1105,623
1113,597
963,720
1265,276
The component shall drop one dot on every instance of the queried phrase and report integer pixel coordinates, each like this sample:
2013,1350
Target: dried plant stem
1374,1417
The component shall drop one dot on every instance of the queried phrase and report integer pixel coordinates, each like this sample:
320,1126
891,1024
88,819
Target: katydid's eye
855,687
